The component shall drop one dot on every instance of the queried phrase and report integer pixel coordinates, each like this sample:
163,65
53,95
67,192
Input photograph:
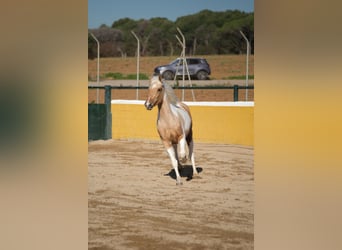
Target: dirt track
134,202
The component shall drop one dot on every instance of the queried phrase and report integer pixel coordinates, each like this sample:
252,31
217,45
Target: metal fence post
247,54
138,59
98,66
236,93
108,98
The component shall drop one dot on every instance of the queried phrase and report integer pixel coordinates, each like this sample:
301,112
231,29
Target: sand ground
134,202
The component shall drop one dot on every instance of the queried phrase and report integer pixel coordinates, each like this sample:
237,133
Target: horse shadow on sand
184,171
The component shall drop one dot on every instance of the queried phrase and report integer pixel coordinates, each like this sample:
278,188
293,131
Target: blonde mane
169,92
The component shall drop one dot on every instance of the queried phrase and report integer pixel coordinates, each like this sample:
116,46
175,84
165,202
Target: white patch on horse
184,116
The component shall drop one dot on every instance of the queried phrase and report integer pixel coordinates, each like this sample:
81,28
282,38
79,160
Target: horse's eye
160,89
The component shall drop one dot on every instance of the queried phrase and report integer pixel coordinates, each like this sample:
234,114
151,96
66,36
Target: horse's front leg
172,154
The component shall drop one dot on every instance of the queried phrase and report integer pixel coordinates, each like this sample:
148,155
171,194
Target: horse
174,123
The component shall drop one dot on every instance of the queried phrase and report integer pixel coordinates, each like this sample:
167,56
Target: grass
112,75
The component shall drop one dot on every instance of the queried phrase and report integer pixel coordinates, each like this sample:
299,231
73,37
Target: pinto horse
174,123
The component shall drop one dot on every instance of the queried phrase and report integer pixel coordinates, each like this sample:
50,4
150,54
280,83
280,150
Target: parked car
199,68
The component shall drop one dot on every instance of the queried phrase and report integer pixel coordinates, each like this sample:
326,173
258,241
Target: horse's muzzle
148,105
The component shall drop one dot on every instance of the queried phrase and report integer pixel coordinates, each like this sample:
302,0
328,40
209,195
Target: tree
162,39
111,41
206,32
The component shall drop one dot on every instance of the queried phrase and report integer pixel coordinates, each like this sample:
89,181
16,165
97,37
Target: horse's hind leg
192,157
182,153
176,154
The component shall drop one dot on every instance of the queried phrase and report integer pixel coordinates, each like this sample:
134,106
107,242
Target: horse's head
155,92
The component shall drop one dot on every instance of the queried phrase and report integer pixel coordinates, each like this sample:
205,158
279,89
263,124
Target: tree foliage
206,32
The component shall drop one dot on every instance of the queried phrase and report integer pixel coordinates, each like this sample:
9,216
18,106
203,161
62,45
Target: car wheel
202,75
168,75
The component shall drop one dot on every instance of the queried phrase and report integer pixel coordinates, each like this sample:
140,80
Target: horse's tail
189,136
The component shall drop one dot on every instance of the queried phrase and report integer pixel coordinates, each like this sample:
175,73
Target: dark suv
198,68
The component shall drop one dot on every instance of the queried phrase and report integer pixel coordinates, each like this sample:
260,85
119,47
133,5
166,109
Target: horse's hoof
179,183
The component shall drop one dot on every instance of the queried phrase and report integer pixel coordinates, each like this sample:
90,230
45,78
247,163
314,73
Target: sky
108,11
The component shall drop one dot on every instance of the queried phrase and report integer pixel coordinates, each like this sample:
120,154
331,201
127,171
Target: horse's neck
165,108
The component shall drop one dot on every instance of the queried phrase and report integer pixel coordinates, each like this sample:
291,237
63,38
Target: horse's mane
169,93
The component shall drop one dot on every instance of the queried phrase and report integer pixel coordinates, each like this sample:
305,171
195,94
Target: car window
174,62
192,61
